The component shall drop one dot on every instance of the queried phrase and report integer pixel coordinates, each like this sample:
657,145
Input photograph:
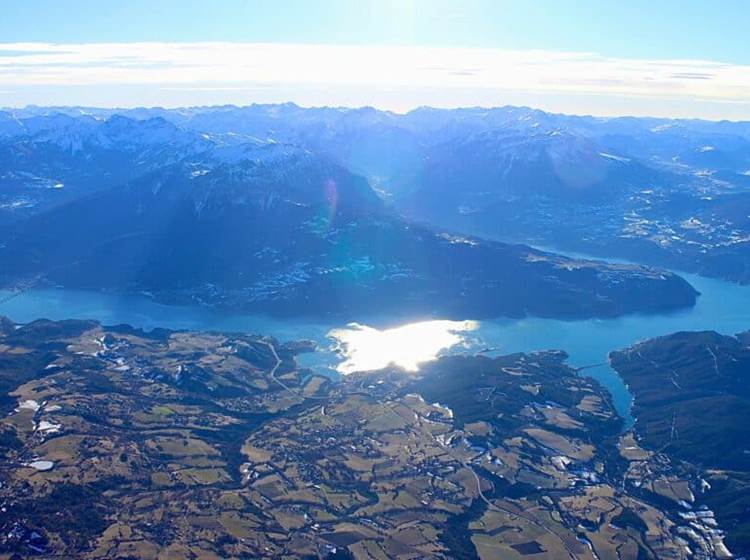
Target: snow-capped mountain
494,165
250,221
49,159
510,172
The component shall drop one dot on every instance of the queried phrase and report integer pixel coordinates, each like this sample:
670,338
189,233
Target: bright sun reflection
365,348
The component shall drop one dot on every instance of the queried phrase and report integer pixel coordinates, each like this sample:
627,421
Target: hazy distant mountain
661,191
496,165
280,228
46,160
638,136
247,193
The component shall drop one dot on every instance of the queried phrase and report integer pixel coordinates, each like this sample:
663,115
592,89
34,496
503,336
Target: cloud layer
392,77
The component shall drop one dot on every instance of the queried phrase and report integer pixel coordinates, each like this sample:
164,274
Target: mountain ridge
280,227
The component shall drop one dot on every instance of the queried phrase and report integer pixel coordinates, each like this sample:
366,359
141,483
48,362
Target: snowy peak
10,126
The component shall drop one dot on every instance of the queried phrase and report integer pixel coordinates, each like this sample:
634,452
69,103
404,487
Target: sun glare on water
365,348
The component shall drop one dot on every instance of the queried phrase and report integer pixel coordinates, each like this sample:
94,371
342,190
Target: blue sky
688,58
716,30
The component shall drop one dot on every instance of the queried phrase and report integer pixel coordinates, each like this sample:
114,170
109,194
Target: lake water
723,307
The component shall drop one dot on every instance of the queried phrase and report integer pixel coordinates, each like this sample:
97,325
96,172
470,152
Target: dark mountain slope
279,229
692,400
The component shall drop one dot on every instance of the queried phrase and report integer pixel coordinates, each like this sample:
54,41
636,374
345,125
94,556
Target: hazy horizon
31,106
668,60
398,78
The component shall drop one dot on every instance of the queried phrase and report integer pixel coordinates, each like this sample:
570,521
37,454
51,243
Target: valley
422,382
660,191
227,220
722,306
702,231
374,280
691,401
214,445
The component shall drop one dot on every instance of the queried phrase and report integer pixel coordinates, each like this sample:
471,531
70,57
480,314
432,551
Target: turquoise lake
722,306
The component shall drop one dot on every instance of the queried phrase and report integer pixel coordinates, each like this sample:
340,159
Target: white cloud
371,74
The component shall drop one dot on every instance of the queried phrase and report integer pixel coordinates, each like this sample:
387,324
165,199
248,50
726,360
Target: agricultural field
120,443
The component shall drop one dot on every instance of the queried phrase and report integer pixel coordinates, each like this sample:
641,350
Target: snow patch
41,465
614,157
48,427
29,405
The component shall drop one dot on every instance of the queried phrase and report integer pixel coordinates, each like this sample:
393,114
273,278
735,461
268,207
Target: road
490,504
274,369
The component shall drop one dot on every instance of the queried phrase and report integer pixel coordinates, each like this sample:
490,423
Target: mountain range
271,206
660,191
